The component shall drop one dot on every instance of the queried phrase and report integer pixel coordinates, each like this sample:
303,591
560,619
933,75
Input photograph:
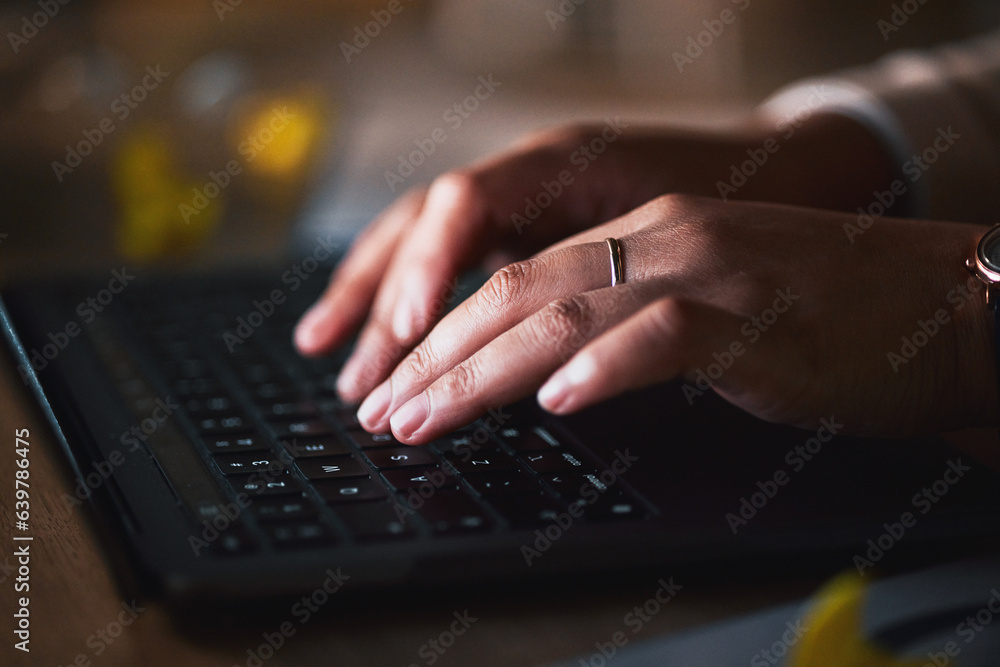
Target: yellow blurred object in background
835,634
168,211
152,191
276,137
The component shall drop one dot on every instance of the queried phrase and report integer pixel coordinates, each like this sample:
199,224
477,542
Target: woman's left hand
785,312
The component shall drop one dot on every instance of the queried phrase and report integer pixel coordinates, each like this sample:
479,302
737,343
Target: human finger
444,236
348,297
511,294
470,212
516,362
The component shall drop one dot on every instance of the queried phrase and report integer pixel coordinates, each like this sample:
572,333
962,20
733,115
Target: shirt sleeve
938,115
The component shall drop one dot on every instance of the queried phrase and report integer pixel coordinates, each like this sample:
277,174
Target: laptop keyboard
258,435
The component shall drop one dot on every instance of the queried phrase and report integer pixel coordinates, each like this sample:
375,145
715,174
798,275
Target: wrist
984,268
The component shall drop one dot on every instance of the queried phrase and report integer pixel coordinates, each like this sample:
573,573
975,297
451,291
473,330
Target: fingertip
408,420
403,323
417,307
552,394
305,341
312,333
373,409
347,386
567,390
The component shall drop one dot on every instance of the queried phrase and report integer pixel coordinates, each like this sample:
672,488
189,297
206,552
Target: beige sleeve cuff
938,115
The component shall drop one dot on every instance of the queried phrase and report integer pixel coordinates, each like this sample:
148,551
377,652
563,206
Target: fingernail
557,394
373,408
347,381
408,419
553,393
307,329
402,322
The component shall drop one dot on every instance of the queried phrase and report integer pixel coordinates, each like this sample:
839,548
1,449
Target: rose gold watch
986,267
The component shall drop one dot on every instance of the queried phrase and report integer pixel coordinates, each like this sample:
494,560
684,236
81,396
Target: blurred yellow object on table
835,634
276,137
168,209
151,189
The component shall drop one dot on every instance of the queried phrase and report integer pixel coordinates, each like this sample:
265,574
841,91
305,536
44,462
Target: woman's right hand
400,273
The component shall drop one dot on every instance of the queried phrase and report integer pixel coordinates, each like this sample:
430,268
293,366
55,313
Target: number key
246,462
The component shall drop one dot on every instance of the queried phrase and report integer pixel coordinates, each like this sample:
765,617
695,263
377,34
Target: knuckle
462,380
422,362
566,314
565,324
683,213
571,134
380,354
413,197
461,186
675,324
677,201
561,137
505,287
694,223
406,206
670,319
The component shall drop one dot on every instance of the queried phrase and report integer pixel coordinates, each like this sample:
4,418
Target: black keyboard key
313,447
282,508
223,425
258,373
326,385
247,462
527,510
462,444
367,440
297,410
350,490
536,439
557,461
179,350
333,405
375,521
403,479
614,504
400,457
232,541
348,416
237,443
295,429
270,392
453,512
265,484
208,406
188,369
485,460
573,485
332,467
299,533
197,387
504,481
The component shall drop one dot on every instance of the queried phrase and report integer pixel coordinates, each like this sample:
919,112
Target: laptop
231,470
226,469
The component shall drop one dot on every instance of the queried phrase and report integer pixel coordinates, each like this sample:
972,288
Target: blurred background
193,132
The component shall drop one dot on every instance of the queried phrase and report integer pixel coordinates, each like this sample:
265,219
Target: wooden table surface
74,595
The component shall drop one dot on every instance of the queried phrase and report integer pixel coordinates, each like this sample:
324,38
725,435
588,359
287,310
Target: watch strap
993,296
